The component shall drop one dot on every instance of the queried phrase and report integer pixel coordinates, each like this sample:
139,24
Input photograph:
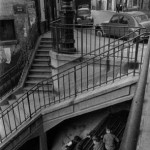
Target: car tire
99,33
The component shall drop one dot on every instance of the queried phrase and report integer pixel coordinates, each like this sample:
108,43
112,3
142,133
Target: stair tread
46,41
45,45
38,76
39,59
40,65
40,70
42,55
34,81
42,50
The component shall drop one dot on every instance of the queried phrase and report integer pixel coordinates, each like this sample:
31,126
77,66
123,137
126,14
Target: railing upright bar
93,73
19,113
75,82
4,125
24,110
131,133
64,87
9,123
69,83
81,78
82,42
15,119
34,102
28,101
43,91
136,55
86,41
87,76
58,84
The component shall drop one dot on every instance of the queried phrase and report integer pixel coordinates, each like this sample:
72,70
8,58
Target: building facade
129,4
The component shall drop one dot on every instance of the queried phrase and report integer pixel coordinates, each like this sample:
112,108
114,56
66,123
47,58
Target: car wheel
99,33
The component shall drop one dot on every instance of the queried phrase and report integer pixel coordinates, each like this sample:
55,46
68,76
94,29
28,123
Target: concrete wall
80,125
88,102
21,20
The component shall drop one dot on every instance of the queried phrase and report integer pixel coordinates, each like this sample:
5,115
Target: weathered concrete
93,100
80,125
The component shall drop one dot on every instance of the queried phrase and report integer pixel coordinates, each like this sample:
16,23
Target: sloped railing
10,79
101,69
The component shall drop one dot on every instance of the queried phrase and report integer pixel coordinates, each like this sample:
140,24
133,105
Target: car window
123,20
114,19
83,12
141,18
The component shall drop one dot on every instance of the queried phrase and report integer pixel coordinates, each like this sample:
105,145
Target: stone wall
22,25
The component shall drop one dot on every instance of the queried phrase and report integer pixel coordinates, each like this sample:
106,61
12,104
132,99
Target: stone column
66,28
43,141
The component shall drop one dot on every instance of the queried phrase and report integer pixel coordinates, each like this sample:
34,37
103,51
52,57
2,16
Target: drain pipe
131,133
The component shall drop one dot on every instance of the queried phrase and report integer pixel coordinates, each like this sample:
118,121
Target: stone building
111,4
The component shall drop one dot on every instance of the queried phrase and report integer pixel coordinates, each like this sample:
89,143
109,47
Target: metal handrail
75,86
130,137
17,69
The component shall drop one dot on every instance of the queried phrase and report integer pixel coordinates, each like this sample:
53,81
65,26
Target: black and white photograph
74,74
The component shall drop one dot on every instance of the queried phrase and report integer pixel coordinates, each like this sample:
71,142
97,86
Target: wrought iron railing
103,68
86,39
10,79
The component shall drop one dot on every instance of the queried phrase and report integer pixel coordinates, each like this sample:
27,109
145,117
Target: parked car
84,17
123,23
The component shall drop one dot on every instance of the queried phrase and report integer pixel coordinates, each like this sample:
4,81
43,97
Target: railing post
29,104
81,42
136,53
75,82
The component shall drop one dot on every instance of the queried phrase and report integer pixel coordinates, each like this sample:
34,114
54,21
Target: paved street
101,16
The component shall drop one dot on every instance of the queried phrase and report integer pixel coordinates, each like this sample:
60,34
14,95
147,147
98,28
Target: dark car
124,23
83,17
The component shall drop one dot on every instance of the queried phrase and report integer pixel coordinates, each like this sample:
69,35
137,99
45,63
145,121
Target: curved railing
101,69
10,79
131,133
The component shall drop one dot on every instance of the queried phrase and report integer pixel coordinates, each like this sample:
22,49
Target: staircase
75,81
40,68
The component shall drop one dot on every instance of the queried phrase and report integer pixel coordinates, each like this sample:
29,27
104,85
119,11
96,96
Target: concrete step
45,46
33,82
42,56
41,66
46,39
48,42
40,71
37,76
38,60
42,51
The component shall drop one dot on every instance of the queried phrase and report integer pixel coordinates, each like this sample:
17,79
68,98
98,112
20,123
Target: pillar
43,141
67,28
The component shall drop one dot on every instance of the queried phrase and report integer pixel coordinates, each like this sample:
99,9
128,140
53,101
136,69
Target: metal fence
110,62
87,39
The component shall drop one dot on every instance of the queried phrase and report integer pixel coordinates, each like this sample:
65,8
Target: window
123,20
141,18
134,2
7,30
114,19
